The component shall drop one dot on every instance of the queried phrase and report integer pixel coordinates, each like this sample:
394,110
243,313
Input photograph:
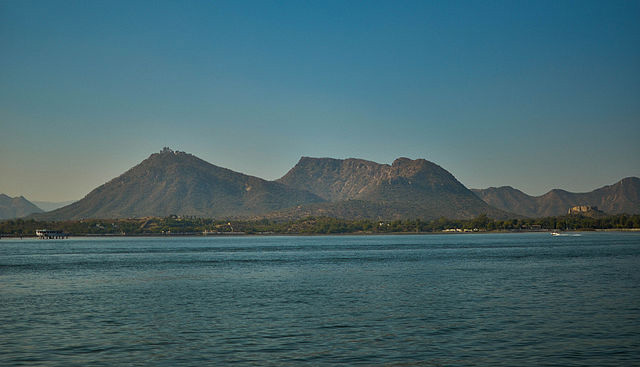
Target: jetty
47,234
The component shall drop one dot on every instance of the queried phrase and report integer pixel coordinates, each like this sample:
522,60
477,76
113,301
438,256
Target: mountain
364,189
52,205
172,182
16,207
621,197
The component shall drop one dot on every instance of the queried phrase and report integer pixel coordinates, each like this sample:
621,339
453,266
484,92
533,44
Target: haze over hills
621,197
52,205
16,207
171,182
405,189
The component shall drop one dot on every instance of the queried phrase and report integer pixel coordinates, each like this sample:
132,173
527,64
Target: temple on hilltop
167,150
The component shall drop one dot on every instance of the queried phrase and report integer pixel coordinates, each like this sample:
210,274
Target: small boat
557,233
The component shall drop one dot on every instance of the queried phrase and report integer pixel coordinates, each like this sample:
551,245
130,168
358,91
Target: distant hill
621,197
52,205
356,188
170,182
16,207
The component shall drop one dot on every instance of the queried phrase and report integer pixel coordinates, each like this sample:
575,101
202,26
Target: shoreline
238,234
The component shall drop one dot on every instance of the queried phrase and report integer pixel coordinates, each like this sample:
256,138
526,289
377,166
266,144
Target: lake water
432,300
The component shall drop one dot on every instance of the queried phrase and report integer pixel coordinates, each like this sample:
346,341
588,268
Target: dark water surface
436,300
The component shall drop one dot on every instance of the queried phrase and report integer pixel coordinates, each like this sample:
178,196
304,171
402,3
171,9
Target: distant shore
195,226
240,234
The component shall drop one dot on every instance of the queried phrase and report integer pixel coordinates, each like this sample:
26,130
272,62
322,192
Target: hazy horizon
533,95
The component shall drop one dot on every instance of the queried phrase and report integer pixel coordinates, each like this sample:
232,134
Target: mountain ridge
16,207
618,198
178,183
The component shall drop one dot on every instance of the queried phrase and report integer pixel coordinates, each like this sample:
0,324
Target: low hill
621,197
177,183
356,188
16,207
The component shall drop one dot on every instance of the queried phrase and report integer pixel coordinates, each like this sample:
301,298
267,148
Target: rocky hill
405,189
16,207
621,197
172,182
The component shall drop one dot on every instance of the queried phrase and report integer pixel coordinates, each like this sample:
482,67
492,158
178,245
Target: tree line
186,225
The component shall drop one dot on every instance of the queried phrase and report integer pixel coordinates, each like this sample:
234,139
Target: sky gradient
532,94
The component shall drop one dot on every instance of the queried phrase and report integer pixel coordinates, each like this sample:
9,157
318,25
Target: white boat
556,233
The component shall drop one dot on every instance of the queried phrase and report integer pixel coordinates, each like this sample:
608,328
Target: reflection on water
455,300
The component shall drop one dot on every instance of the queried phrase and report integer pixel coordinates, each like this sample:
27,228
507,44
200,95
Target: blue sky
532,94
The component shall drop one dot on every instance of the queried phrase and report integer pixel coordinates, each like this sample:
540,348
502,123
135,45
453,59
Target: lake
418,300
